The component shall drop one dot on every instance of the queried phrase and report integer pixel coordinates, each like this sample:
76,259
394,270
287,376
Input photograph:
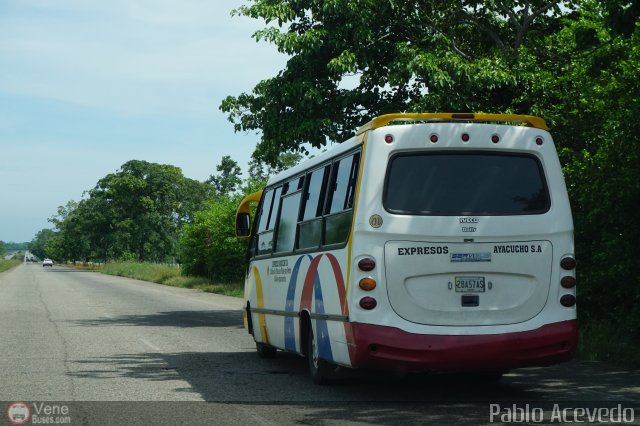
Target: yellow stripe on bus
262,321
355,208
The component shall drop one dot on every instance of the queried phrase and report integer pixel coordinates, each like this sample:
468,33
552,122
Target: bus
428,242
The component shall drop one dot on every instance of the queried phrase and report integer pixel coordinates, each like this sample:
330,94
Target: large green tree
351,60
135,213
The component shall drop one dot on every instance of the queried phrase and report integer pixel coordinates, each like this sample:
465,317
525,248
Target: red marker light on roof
463,116
433,138
465,137
539,141
388,138
495,138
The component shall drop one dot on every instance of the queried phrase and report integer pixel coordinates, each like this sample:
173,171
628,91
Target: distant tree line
11,246
147,212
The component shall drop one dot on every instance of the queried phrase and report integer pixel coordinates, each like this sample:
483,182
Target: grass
8,264
170,275
608,341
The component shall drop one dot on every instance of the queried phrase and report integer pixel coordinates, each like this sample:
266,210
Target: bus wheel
319,369
265,351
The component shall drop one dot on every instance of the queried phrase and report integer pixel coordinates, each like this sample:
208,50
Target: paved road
80,338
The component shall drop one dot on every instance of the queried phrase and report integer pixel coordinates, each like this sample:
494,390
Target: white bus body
443,243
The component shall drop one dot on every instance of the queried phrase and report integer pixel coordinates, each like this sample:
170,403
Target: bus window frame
327,178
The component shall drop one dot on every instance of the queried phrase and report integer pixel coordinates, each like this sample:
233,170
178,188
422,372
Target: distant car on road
47,262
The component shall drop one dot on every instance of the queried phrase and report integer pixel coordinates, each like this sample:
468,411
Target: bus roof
313,162
384,120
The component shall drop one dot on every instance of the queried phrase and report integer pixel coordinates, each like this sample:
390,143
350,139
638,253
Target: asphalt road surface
86,348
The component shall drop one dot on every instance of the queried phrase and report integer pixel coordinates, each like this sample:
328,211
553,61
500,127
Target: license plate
470,284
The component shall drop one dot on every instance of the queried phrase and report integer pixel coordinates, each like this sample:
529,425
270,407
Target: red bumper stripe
387,347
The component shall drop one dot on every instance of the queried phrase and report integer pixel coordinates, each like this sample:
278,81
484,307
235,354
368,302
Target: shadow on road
223,318
280,390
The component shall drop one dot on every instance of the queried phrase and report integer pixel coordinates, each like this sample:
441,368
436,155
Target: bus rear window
469,183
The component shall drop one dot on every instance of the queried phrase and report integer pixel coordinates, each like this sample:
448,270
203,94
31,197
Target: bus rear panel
442,243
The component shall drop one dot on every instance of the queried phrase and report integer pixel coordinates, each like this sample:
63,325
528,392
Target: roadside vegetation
574,63
170,275
8,264
16,259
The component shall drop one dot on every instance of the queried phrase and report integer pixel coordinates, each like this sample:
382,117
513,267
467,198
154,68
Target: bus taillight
568,282
568,300
568,263
368,303
367,284
367,264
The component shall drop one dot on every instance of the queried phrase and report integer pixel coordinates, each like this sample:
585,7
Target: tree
3,250
209,247
399,55
135,213
37,245
228,179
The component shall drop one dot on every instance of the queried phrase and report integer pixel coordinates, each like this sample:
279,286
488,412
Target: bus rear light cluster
368,303
568,300
367,284
568,282
568,263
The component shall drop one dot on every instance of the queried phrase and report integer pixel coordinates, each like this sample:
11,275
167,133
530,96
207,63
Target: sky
87,85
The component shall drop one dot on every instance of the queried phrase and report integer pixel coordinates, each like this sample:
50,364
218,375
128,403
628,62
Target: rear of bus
462,246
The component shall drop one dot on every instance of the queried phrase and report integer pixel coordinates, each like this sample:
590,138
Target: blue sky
86,85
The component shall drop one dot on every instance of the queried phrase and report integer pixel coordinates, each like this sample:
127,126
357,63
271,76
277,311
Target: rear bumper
391,348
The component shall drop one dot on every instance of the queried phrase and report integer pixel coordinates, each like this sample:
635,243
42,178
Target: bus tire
265,351
319,369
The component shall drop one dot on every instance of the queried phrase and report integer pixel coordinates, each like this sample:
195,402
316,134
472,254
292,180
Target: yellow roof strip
383,120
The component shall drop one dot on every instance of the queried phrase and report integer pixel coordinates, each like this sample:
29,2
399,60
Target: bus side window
310,227
266,221
340,199
289,212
